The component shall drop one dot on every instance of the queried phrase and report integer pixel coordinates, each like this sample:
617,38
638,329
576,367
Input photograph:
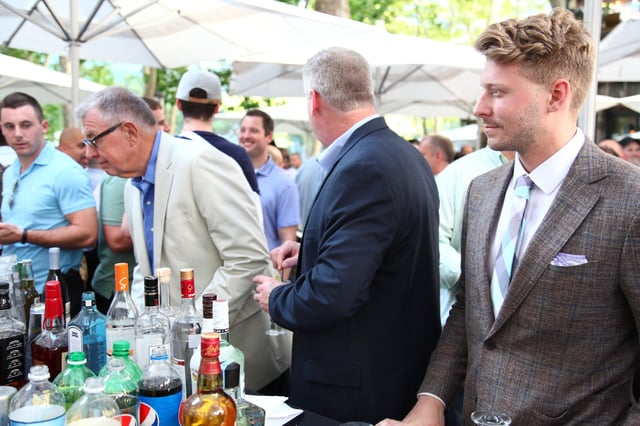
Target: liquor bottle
209,405
152,326
39,402
122,314
207,327
121,350
10,272
164,291
55,274
247,413
50,347
161,387
12,338
228,352
122,387
94,407
71,381
27,288
87,332
34,328
185,333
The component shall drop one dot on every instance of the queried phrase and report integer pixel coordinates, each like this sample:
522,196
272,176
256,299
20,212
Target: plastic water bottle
39,402
94,408
71,380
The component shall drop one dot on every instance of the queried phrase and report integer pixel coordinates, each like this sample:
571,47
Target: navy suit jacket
365,307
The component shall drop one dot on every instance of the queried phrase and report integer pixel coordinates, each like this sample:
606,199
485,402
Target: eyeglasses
13,193
94,141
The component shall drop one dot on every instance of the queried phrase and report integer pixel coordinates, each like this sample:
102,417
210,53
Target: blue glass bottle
87,332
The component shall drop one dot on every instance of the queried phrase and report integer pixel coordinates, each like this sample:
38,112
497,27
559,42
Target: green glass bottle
70,381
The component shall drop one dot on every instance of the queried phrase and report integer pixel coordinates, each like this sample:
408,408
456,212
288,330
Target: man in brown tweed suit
559,345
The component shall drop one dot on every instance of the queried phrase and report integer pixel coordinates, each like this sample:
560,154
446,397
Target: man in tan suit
559,344
188,205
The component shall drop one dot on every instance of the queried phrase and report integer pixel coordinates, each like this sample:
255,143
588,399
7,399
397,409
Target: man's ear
560,95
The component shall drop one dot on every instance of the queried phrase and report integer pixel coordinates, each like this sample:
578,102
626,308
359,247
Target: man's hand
10,233
428,411
285,256
264,286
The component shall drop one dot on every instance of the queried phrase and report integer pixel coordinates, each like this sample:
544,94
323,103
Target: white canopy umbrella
163,33
619,53
412,75
631,102
291,117
46,85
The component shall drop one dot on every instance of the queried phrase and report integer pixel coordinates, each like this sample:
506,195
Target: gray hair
117,104
341,76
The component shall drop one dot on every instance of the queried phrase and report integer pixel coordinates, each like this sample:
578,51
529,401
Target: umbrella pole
75,61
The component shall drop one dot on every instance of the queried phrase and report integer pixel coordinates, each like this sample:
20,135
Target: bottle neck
187,304
209,375
165,295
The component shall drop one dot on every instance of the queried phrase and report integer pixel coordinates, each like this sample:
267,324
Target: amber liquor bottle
210,405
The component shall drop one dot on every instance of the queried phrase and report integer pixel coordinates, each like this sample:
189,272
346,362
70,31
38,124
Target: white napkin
277,412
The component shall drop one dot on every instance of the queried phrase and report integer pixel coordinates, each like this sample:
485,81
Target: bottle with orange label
122,314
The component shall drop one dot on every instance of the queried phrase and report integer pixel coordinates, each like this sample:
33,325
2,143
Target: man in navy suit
364,308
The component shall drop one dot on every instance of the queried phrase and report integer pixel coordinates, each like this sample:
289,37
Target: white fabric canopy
163,33
411,75
46,85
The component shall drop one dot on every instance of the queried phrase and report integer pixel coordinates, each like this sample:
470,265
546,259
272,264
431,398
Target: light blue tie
506,260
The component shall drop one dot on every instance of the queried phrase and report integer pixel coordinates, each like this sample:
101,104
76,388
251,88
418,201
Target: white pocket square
566,259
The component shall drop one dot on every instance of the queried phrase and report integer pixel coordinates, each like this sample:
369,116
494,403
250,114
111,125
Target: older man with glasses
47,198
188,205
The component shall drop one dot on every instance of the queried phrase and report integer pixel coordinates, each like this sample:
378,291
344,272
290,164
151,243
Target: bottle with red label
50,347
210,405
185,333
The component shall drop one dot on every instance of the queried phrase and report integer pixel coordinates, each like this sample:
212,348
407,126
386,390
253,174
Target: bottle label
74,335
160,410
37,415
12,359
144,346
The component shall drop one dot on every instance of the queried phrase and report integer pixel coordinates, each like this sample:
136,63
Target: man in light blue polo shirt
47,199
278,193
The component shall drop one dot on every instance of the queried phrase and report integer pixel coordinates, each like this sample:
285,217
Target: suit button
490,344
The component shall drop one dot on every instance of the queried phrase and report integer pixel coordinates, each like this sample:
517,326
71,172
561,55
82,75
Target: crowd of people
420,284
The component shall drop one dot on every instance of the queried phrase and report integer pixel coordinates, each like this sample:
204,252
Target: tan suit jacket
205,218
564,347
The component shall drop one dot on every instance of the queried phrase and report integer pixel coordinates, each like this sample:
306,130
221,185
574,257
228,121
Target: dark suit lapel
572,204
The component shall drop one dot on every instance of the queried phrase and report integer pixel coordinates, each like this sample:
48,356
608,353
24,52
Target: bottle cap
39,372
88,296
187,284
77,358
210,345
53,299
122,276
231,375
158,353
4,286
207,304
121,348
54,258
94,385
164,274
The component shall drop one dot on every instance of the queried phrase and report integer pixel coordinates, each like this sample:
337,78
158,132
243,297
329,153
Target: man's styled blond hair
547,48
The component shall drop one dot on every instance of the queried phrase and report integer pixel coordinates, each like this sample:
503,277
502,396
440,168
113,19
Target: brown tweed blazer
564,347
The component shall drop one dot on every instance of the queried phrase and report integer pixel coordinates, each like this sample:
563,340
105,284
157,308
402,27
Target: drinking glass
274,329
490,418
